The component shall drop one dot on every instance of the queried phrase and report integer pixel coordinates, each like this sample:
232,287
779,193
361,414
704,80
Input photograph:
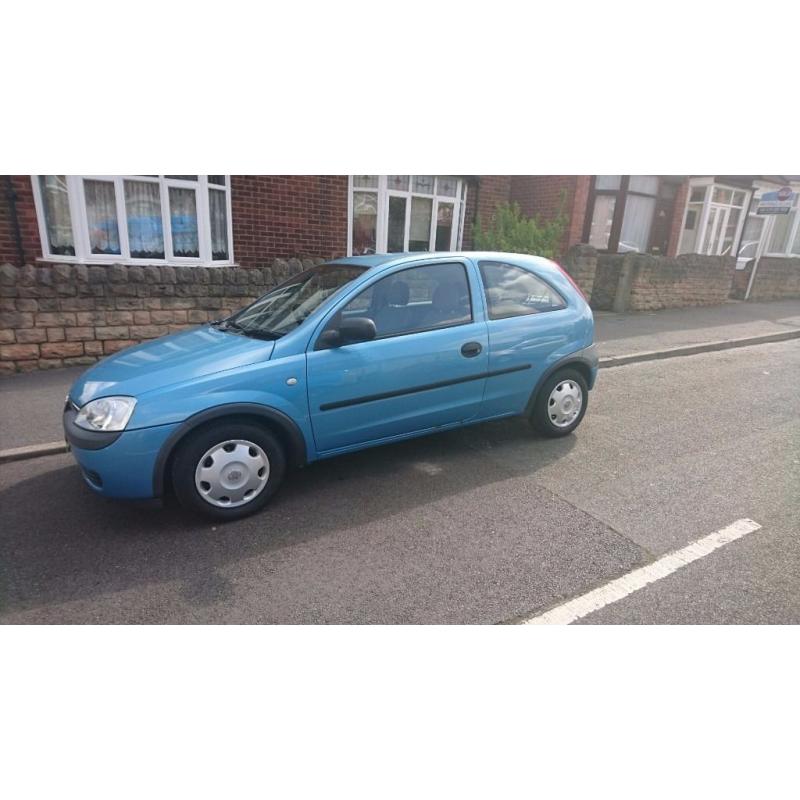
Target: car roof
378,260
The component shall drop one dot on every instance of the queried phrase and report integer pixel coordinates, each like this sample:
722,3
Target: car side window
414,300
514,292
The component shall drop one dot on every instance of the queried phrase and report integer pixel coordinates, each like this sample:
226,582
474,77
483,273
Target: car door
528,321
424,369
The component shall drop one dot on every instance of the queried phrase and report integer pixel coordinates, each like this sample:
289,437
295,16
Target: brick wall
22,190
484,194
678,207
544,196
68,314
281,216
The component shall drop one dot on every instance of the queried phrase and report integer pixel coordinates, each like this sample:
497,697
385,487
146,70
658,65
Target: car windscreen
286,306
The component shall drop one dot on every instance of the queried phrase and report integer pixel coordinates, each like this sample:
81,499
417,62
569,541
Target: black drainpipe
11,196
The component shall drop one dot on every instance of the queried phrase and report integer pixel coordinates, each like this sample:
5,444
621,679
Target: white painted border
620,588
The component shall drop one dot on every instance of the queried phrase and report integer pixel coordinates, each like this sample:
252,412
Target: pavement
622,334
483,525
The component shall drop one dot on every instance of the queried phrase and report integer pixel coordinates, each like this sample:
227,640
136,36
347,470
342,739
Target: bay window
713,218
135,219
405,213
722,220
620,212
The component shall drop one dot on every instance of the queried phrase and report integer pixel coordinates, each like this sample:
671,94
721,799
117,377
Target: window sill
131,262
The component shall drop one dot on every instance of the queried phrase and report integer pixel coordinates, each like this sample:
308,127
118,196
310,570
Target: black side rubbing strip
369,398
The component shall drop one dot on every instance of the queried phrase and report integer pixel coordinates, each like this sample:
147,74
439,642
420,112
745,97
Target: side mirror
350,331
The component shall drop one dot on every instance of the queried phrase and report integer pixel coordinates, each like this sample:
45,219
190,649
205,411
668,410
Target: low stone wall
68,314
606,280
640,282
581,262
776,278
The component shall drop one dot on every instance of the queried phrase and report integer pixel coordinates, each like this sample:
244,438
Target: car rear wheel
561,403
229,470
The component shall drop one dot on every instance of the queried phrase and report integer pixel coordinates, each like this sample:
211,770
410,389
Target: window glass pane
781,228
444,226
698,194
365,222
57,220
602,218
218,213
423,184
515,292
796,243
419,236
636,223
721,195
711,236
738,198
690,227
398,183
365,181
396,242
183,177
607,182
415,299
183,222
648,184
101,216
145,226
217,180
730,232
751,236
446,186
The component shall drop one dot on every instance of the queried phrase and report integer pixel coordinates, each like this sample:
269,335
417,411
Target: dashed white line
639,578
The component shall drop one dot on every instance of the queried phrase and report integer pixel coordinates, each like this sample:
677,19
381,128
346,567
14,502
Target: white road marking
639,578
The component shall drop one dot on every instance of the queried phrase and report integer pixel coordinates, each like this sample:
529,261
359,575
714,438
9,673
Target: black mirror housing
356,329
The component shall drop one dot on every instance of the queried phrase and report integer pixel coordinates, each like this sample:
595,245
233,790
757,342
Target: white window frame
80,227
383,192
710,184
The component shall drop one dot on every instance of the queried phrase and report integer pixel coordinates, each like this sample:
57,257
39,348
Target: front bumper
120,464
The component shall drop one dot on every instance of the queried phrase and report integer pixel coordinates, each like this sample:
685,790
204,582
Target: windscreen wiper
253,333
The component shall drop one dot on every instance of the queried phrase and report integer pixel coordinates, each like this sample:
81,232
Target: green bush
510,232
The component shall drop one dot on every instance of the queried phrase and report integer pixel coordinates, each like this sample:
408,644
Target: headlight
106,414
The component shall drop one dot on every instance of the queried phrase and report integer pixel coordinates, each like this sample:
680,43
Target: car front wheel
229,470
561,403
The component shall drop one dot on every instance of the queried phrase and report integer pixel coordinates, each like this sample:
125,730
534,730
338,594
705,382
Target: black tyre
560,404
228,470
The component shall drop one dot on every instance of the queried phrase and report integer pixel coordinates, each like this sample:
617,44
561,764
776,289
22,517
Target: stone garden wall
776,278
70,314
639,282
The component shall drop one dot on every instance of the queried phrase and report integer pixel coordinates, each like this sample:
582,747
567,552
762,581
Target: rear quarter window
514,292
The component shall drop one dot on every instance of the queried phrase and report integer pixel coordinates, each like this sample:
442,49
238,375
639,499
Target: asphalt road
480,525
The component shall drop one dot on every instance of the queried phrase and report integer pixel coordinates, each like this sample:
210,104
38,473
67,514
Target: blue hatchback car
349,354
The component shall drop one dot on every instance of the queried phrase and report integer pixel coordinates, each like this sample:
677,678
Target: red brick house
217,220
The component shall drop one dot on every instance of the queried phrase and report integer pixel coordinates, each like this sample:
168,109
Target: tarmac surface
474,526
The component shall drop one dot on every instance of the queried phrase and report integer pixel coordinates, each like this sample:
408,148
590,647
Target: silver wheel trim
232,473
564,403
